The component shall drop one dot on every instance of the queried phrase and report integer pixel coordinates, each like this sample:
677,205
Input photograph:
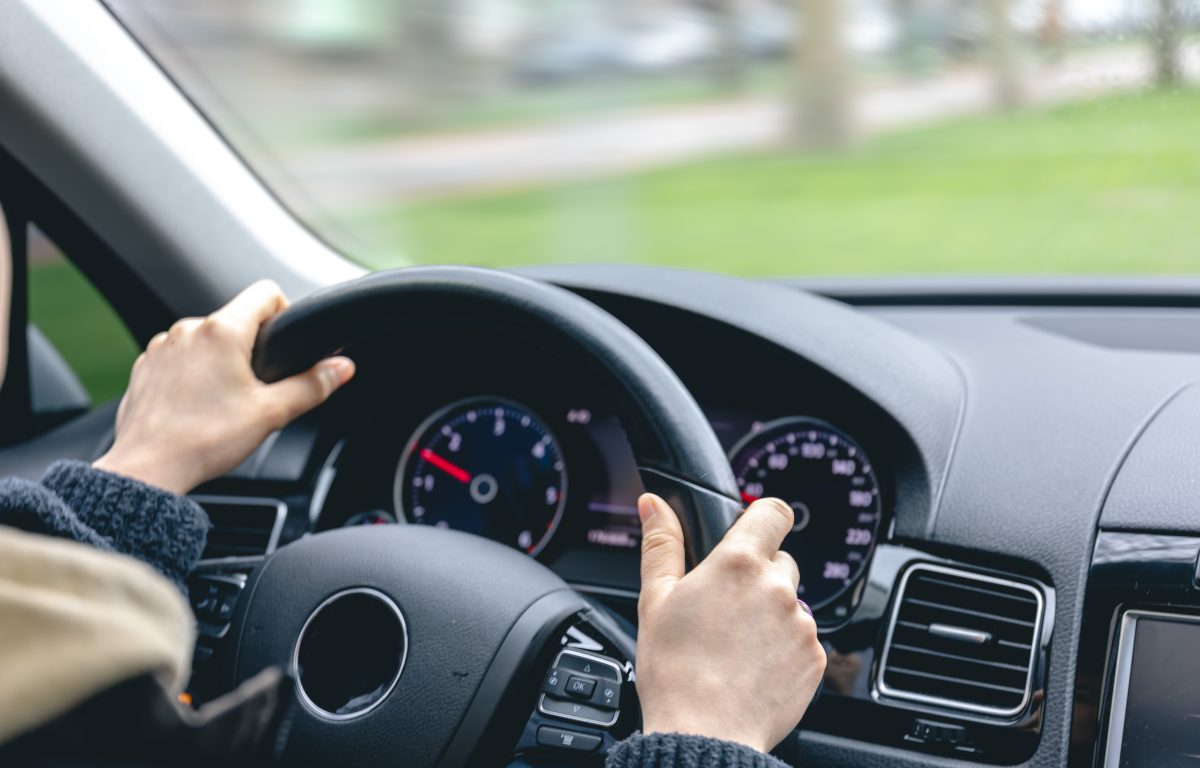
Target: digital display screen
1155,714
612,520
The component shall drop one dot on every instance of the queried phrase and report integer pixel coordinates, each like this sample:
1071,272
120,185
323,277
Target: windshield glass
758,137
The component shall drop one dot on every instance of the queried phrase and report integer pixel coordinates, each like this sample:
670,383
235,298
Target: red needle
458,473
748,498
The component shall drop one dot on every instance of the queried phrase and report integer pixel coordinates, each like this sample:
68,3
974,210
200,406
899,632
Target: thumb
662,546
301,393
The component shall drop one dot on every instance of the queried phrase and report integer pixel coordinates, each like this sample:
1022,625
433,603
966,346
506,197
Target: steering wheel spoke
577,699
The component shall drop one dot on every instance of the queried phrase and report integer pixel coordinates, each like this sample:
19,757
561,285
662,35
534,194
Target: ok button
580,687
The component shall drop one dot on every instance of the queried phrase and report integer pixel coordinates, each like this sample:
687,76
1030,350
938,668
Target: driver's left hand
194,409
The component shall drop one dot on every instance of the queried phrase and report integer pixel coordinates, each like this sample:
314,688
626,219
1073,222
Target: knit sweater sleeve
112,512
677,750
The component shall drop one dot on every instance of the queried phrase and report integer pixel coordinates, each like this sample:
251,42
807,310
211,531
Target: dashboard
490,431
994,494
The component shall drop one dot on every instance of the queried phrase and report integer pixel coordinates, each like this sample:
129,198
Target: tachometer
486,466
829,483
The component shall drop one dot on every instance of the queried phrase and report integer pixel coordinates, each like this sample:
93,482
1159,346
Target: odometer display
485,466
829,483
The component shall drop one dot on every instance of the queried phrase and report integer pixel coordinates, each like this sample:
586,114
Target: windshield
757,137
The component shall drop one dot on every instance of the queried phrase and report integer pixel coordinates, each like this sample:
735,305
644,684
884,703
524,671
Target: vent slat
1011,644
986,667
1023,598
956,657
956,680
969,612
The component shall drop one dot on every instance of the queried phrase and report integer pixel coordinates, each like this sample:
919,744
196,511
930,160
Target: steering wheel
421,646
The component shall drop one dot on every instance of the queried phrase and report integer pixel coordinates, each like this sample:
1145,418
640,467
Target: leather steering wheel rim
678,455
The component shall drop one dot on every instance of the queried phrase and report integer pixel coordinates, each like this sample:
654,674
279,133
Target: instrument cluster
562,485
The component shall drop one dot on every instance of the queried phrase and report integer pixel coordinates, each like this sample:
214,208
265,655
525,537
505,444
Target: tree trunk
822,113
730,70
1166,43
908,44
1008,87
426,59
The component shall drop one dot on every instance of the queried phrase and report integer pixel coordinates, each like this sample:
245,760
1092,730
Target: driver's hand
194,409
724,651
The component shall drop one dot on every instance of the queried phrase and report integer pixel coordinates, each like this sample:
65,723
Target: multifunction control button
574,741
582,687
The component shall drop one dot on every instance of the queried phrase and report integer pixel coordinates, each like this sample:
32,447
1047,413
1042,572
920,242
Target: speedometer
828,481
485,466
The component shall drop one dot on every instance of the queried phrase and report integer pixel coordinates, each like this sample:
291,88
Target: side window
78,322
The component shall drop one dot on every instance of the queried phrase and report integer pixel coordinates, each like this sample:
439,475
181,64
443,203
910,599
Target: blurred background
756,137
774,137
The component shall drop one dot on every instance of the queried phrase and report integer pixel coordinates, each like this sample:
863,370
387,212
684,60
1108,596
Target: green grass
80,324
1109,186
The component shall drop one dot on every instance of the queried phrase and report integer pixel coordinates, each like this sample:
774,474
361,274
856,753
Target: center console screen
1154,718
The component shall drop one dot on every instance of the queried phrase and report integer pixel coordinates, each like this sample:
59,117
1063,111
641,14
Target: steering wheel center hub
350,654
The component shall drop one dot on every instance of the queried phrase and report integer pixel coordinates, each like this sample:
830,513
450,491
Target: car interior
993,479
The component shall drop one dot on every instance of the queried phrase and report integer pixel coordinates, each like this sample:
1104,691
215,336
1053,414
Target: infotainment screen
1154,718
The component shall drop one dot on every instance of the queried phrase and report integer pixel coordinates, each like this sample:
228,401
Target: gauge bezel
779,424
411,446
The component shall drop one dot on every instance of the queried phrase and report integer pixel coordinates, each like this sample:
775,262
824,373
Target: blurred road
432,166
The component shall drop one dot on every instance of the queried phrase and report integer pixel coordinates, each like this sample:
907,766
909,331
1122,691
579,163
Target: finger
762,526
184,325
253,306
786,564
662,546
156,341
301,393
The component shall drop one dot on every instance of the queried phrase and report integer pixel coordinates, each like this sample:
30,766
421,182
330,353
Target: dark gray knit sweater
110,512
117,514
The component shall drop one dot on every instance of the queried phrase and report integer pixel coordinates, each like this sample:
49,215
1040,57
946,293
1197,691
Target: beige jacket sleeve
74,621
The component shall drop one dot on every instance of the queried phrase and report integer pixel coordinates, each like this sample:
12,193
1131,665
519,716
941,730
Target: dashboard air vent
962,640
242,527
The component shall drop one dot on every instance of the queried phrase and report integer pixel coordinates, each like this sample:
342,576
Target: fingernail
779,504
339,370
647,506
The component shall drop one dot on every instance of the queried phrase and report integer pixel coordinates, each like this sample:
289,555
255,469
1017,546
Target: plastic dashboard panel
1155,489
1046,421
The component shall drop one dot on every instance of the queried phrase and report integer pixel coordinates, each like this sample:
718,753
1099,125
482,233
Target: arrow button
584,713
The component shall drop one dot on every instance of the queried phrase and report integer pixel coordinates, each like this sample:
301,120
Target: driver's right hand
725,651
